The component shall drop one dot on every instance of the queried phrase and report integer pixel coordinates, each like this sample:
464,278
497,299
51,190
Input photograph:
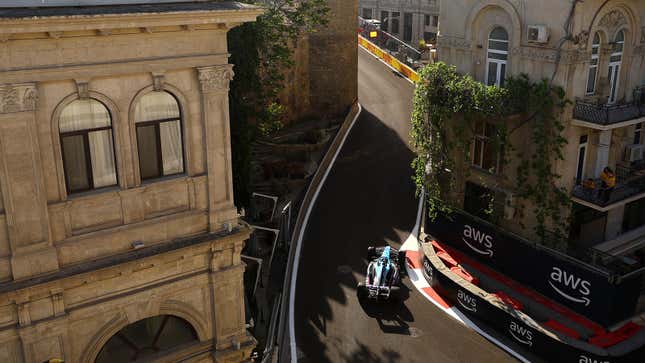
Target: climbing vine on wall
447,107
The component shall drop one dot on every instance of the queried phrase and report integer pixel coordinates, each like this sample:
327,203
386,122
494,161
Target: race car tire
361,291
395,292
402,263
373,253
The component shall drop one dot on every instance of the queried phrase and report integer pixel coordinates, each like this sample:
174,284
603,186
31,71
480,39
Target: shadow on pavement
367,200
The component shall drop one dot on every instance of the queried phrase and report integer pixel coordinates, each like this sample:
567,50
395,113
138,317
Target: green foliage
261,53
446,107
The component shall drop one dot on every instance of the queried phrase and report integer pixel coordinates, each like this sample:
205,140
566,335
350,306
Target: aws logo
478,241
522,334
572,283
427,269
468,302
585,359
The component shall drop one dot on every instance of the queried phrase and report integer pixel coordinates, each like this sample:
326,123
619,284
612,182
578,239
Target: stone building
600,65
324,79
408,20
119,238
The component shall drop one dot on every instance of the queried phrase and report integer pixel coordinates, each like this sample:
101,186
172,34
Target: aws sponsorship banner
584,290
525,335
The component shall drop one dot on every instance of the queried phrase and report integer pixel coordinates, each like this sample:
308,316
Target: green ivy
446,107
261,52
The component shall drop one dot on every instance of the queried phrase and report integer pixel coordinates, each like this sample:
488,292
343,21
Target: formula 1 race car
383,273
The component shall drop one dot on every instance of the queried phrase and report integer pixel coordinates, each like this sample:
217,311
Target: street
368,199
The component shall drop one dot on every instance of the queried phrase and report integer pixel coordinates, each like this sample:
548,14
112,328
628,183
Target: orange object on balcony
608,177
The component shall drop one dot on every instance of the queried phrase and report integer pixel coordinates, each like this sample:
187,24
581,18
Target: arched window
87,145
593,65
146,338
497,57
159,137
614,65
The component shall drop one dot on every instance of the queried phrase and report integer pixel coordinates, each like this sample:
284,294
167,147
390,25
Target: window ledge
93,192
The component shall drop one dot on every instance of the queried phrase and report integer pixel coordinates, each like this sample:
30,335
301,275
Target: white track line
296,260
417,279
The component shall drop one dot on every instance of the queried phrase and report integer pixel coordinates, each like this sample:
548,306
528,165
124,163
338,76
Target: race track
368,199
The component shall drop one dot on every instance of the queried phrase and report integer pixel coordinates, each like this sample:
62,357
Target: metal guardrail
298,229
603,114
390,43
630,182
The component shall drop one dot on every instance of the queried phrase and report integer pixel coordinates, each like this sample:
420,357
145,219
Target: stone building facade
600,64
409,20
324,79
118,233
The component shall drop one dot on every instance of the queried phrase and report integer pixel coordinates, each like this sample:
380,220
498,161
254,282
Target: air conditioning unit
634,152
538,34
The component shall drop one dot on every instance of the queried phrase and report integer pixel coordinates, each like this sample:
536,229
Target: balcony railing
630,181
605,115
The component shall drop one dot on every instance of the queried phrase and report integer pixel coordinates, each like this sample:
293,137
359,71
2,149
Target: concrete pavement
367,199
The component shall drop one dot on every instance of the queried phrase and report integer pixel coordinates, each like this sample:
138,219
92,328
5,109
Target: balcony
630,185
605,117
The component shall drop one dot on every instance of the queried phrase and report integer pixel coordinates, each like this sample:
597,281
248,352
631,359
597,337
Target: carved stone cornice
453,42
215,78
17,97
613,20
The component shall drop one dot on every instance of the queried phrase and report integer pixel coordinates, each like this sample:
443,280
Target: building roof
64,8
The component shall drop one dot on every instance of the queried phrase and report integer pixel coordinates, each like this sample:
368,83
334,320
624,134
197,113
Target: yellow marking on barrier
389,59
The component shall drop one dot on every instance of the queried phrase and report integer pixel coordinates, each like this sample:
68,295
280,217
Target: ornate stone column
214,83
22,183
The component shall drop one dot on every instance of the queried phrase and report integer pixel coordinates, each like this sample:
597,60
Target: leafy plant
447,107
261,53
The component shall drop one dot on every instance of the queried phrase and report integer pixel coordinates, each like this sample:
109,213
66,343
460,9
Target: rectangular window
384,20
484,155
480,201
395,22
367,13
435,21
149,152
582,154
76,159
407,27
634,216
427,20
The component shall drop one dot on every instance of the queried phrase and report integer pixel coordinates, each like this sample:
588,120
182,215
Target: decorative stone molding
158,80
17,97
216,78
24,318
453,42
613,20
58,302
83,88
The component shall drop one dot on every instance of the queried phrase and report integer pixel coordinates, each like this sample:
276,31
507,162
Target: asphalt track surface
368,199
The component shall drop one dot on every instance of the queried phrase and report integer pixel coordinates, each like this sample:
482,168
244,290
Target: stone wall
324,81
75,268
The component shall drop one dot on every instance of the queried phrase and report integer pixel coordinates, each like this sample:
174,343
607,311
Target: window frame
500,75
615,68
158,145
88,153
484,140
593,67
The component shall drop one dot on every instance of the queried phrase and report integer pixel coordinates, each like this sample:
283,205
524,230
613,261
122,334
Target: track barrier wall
388,58
587,291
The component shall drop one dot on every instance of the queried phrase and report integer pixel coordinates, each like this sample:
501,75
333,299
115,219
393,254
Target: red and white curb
415,274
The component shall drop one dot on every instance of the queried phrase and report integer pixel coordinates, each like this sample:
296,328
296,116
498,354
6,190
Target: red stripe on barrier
413,258
436,297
